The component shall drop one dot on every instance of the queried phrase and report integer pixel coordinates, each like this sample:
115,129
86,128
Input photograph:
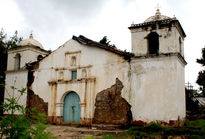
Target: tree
105,41
201,76
14,40
3,61
5,44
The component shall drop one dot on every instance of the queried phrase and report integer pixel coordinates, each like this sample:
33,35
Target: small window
180,45
17,61
74,74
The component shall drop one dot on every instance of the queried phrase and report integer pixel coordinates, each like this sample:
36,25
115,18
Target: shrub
21,126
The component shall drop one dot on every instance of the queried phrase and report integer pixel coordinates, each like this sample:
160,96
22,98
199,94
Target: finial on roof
158,11
132,23
157,16
31,35
174,17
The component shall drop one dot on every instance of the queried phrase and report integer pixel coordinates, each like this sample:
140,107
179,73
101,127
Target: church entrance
71,108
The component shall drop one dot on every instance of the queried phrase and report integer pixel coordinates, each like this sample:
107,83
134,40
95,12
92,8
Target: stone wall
111,108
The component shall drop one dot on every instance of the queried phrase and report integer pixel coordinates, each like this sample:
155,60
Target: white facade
153,82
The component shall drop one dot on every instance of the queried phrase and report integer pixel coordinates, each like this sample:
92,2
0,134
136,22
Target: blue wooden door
71,108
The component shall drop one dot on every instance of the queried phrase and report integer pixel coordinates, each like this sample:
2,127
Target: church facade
64,84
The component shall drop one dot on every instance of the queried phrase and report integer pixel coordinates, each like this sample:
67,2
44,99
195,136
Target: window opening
74,74
153,43
17,61
180,45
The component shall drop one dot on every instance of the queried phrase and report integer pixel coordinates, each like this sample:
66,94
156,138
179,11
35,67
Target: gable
82,47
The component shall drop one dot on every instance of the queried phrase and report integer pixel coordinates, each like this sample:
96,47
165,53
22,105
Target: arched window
17,61
153,43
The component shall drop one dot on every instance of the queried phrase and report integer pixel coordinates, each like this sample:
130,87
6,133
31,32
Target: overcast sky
53,22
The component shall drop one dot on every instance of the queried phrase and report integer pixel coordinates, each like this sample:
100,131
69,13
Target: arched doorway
71,108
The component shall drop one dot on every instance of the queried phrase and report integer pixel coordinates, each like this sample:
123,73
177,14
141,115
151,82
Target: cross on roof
158,6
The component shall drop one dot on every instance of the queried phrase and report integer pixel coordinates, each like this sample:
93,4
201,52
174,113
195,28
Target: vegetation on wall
105,41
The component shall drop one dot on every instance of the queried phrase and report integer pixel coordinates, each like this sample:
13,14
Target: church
86,82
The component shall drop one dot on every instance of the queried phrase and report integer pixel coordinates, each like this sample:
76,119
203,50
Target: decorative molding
13,71
59,104
72,68
73,52
52,82
82,103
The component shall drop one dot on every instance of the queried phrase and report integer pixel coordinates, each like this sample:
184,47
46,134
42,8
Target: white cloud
54,22
11,18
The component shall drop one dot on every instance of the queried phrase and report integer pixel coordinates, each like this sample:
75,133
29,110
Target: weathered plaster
19,81
28,55
153,84
157,87
169,41
59,81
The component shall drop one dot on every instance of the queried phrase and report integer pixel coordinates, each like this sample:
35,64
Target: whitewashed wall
102,68
17,79
28,55
157,89
168,41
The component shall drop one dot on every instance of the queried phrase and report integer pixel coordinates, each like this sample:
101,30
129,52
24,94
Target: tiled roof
83,40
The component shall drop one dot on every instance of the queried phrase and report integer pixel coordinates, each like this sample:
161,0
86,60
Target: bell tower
27,51
158,34
157,70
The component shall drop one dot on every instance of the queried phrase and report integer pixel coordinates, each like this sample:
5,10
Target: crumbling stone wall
33,100
111,108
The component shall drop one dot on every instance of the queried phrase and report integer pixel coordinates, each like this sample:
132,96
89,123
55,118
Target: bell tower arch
158,34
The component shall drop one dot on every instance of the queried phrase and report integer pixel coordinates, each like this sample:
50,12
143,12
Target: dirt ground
69,132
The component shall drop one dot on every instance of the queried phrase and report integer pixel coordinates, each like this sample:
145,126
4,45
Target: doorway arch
71,108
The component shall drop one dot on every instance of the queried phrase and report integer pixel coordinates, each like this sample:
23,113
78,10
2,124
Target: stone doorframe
88,83
59,106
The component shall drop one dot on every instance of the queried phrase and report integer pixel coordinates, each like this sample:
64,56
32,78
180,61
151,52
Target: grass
194,129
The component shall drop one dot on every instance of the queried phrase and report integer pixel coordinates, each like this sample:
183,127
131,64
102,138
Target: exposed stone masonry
111,108
33,100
